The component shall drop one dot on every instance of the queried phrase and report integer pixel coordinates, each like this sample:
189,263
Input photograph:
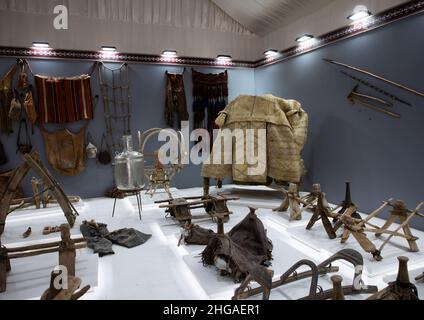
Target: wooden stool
137,194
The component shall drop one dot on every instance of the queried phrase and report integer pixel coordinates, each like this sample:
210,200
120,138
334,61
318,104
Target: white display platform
159,269
30,276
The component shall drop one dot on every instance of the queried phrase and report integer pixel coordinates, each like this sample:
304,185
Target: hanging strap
28,138
89,138
104,142
25,62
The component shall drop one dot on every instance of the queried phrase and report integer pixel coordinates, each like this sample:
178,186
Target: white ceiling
264,16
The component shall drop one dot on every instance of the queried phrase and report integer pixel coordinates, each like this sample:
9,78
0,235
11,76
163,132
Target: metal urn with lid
129,167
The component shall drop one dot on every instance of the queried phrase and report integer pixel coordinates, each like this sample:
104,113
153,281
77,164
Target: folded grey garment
100,245
93,229
128,238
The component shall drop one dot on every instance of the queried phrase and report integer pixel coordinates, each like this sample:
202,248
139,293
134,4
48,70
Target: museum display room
188,150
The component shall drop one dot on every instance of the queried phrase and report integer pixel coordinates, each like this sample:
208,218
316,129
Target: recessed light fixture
360,12
41,45
108,49
270,53
304,38
224,58
169,53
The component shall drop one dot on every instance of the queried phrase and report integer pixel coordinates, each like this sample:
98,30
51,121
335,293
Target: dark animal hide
245,250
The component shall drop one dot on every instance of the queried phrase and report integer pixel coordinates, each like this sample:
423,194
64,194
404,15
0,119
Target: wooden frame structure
358,227
290,276
66,248
159,175
322,211
32,161
41,199
291,202
215,205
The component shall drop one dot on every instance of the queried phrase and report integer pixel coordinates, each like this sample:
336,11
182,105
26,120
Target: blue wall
382,156
148,106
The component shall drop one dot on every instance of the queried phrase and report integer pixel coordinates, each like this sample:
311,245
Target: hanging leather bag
29,106
104,156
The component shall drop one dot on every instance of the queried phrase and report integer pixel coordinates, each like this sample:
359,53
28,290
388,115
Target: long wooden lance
401,86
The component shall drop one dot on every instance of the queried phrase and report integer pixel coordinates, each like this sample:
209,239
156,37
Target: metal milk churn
129,167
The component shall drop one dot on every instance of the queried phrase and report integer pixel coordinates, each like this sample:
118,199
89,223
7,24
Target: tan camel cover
286,126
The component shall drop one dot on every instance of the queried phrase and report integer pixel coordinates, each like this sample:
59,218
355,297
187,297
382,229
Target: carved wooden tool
401,86
349,255
353,227
358,95
353,97
323,212
214,204
347,202
338,293
292,201
312,198
66,248
401,289
69,293
382,91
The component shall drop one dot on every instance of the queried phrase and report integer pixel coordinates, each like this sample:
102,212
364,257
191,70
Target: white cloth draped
174,13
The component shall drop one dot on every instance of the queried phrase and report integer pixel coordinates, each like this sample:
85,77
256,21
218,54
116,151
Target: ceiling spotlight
108,49
41,45
270,53
223,58
360,12
304,38
169,53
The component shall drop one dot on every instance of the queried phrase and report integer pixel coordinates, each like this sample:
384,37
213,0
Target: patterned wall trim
402,11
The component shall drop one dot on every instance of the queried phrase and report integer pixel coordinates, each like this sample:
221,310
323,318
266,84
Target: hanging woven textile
6,97
115,89
176,103
64,100
210,96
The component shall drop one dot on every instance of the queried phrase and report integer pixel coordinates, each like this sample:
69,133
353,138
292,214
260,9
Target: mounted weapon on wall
378,89
355,96
401,86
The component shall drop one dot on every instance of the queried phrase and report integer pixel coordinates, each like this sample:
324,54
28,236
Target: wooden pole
67,250
4,268
401,86
41,251
338,293
41,246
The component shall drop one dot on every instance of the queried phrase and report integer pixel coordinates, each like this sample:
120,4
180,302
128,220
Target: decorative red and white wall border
402,11
399,12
